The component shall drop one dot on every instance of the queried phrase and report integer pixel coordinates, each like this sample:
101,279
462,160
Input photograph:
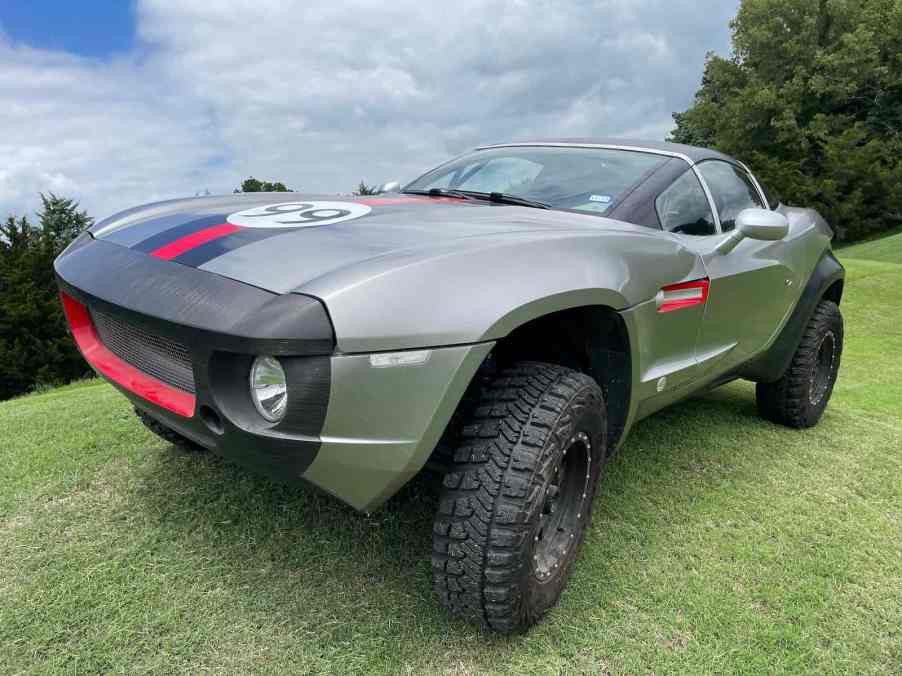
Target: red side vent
118,371
687,294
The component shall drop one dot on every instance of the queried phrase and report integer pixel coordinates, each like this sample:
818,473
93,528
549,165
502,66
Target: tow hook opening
211,419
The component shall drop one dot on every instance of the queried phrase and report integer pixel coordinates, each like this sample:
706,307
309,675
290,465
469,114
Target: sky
119,103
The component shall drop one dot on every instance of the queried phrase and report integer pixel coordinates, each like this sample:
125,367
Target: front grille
164,359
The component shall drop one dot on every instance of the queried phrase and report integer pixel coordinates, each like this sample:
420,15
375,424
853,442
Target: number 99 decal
298,214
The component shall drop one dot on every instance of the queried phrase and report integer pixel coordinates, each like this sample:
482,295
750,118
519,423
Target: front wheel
518,495
799,398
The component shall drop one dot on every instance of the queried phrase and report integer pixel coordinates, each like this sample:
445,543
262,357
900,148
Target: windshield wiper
499,197
503,198
439,192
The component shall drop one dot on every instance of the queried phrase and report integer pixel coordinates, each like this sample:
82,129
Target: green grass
885,249
720,544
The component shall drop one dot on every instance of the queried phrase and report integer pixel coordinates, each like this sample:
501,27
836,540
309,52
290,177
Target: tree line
812,99
35,349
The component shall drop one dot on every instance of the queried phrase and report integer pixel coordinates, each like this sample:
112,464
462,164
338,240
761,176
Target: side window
732,190
684,208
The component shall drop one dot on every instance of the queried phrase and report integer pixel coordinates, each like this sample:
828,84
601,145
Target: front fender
480,289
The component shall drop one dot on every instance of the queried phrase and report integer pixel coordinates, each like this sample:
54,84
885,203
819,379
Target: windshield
582,179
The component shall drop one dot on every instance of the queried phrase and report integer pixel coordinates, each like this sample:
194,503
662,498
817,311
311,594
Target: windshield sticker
604,199
298,214
594,207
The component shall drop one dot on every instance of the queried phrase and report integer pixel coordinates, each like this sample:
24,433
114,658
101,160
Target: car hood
285,242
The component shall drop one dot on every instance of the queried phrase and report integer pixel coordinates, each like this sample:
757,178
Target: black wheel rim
824,367
564,510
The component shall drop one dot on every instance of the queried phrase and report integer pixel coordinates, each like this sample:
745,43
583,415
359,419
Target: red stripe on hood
195,239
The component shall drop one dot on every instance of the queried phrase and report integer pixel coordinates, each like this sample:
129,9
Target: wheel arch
835,290
552,304
591,339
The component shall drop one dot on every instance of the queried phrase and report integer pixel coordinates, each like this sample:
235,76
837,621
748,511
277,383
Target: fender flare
771,366
548,305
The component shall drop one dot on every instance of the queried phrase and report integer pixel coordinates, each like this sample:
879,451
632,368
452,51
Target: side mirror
769,226
391,186
760,224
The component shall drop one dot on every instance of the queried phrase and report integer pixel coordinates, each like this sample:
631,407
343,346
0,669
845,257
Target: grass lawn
720,543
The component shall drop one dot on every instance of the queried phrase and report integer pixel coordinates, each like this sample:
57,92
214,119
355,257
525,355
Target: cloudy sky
118,103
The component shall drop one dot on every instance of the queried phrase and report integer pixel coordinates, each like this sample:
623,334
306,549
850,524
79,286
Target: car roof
692,154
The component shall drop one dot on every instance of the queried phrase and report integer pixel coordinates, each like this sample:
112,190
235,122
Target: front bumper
383,423
353,430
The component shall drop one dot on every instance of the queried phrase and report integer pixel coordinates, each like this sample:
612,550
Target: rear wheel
799,398
166,434
518,495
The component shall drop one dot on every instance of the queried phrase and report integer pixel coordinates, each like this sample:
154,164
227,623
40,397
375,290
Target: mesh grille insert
162,358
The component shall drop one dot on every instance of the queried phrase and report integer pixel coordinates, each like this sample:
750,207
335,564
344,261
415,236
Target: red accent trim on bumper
195,239
118,371
678,301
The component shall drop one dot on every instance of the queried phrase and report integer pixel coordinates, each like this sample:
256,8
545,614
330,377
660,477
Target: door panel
748,300
750,290
666,352
674,319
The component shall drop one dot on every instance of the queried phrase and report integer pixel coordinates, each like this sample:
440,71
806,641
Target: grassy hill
720,543
884,249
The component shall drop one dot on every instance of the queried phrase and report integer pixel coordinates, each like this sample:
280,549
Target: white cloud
323,95
105,133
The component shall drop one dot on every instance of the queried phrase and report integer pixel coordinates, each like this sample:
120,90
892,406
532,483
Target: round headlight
269,389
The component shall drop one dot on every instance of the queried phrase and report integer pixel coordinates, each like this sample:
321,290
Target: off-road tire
799,398
166,434
495,496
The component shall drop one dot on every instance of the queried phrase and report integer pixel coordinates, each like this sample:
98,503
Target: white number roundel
298,214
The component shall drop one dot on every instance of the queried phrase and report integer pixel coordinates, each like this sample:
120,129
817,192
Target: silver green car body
447,281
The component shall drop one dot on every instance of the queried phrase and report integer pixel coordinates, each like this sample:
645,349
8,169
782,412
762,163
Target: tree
35,347
251,184
364,189
812,99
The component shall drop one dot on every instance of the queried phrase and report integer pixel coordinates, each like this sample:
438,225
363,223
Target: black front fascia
225,324
242,314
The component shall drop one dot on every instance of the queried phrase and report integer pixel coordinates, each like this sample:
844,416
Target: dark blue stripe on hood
210,250
159,239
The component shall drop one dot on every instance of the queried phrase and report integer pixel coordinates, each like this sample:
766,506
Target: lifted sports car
507,317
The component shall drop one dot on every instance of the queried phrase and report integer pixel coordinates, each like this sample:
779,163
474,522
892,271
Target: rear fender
771,366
